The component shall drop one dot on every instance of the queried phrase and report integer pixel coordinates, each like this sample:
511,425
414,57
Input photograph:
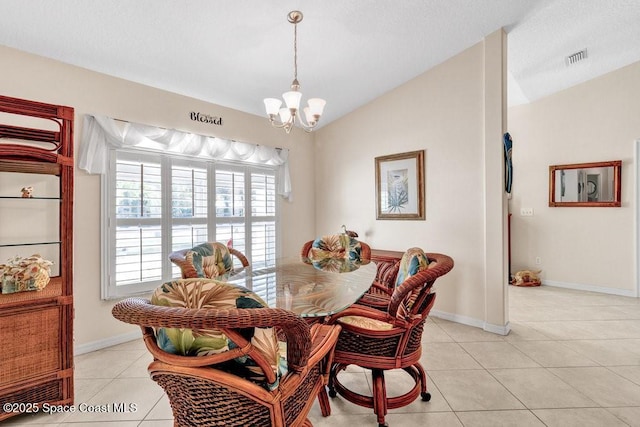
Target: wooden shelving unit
36,327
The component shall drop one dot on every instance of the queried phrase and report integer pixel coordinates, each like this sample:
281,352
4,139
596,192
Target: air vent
574,58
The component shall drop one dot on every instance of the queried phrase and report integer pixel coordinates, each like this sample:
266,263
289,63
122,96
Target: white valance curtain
101,133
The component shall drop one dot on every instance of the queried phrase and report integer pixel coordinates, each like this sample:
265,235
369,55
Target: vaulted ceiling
236,52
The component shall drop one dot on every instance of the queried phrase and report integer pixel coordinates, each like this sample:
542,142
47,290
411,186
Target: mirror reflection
585,184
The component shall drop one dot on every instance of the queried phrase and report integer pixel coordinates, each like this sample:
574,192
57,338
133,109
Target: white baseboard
107,342
471,321
591,288
498,329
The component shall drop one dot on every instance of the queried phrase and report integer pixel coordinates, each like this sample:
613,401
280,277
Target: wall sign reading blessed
205,118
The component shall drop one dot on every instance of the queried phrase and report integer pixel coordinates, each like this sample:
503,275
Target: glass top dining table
309,290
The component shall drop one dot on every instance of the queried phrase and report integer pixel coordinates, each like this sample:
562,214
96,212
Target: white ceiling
236,52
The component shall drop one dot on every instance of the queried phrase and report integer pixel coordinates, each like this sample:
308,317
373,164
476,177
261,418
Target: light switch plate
526,211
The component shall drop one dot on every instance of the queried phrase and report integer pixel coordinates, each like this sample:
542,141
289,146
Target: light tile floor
571,359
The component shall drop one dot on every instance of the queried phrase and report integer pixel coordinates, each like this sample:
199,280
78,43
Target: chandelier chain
295,51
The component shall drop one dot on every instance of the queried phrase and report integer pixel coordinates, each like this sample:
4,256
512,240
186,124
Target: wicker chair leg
379,401
424,394
379,396
307,423
323,400
332,378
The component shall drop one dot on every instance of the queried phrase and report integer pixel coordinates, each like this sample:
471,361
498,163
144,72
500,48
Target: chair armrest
140,311
323,341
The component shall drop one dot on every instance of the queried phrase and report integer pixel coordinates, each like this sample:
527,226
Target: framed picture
400,186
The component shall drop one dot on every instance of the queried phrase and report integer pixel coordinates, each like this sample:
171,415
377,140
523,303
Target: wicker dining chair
213,389
391,339
209,260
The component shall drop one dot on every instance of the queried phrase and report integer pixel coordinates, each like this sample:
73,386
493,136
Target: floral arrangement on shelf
25,274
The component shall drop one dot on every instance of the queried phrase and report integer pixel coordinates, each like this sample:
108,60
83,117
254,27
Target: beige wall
443,112
36,78
585,248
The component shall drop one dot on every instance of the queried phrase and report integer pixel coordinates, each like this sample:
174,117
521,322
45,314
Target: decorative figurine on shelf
27,192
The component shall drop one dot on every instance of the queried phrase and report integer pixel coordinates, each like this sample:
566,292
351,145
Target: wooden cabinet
36,327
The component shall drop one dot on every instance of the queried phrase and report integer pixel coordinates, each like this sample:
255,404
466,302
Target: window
158,203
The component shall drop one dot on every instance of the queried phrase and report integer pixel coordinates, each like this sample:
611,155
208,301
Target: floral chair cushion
336,246
209,293
413,261
365,323
338,265
210,260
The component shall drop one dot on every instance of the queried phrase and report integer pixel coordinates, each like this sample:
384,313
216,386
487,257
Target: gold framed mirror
594,184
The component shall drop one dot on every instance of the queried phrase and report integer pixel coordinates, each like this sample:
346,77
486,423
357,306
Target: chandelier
286,117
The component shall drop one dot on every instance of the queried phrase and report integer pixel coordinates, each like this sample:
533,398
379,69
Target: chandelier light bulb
272,105
316,106
285,115
309,116
292,99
